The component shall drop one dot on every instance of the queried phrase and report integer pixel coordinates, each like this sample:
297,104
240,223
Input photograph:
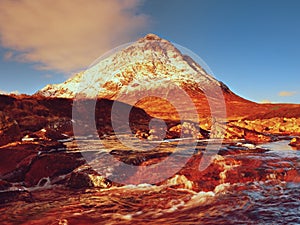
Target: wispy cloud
8,55
16,92
287,93
66,35
265,101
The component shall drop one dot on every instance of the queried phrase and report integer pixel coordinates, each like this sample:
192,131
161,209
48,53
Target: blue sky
252,46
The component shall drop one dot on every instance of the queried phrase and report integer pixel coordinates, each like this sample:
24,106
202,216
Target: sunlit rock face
152,73
149,63
148,72
279,124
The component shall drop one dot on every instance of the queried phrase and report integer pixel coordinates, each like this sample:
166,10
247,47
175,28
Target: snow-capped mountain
149,67
147,63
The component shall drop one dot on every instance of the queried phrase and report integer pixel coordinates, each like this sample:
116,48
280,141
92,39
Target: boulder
9,130
52,165
87,178
180,181
185,130
32,123
30,162
47,134
14,163
142,134
256,137
232,131
295,142
62,125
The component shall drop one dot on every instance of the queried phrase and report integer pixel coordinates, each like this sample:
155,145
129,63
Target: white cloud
16,92
265,101
3,92
66,35
287,93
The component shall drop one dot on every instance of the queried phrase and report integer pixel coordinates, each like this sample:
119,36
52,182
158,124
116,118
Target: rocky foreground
33,150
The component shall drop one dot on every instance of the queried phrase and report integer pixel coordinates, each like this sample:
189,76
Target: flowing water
259,202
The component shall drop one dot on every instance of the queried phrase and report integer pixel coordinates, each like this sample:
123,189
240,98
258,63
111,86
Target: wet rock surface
45,182
295,142
82,178
34,165
28,163
233,166
51,166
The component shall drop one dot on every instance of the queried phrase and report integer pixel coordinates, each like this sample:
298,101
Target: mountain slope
152,74
150,58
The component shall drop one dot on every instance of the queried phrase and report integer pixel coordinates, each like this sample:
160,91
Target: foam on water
173,202
282,145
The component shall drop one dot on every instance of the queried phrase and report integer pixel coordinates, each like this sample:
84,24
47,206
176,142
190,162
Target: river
266,201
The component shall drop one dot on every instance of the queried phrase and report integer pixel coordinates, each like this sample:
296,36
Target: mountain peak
151,37
151,62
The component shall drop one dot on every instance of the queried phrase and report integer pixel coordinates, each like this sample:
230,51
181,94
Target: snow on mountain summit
149,62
